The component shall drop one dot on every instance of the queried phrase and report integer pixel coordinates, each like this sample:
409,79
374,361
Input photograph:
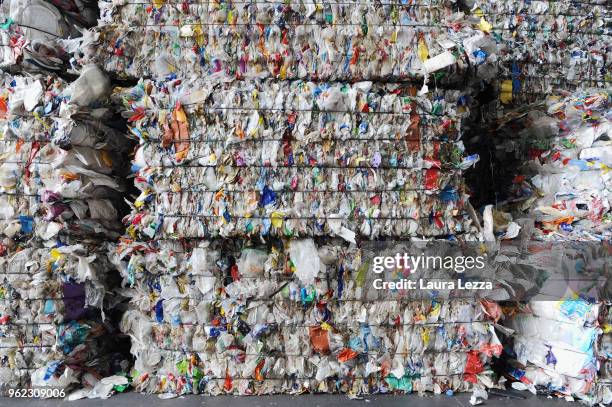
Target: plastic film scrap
221,317
259,176
59,168
32,33
290,40
561,197
296,159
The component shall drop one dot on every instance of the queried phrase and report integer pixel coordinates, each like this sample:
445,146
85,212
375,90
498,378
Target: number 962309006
32,392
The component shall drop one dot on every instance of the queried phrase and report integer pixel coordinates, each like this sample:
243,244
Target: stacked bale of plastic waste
229,316
560,193
564,183
245,138
543,46
59,194
33,32
556,350
294,160
560,196
553,342
297,159
285,40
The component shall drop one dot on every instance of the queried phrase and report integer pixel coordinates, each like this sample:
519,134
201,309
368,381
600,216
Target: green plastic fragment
7,23
182,366
404,383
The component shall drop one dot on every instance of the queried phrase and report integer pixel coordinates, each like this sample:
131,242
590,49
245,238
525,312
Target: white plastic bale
59,201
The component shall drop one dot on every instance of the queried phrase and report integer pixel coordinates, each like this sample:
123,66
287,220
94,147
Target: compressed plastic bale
242,41
554,336
320,180
59,193
49,314
534,60
565,184
493,36
316,333
221,158
33,29
565,362
66,182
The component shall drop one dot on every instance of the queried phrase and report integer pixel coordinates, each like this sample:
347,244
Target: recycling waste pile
215,171
293,155
59,188
285,40
307,160
561,195
564,181
543,46
293,316
295,158
32,33
551,133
